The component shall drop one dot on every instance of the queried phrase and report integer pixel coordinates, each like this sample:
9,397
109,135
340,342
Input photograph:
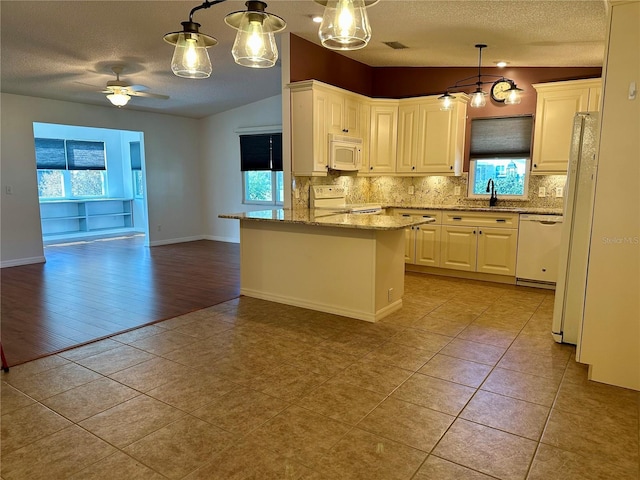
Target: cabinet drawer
480,219
437,214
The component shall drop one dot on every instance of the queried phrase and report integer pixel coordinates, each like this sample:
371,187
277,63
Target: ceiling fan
120,92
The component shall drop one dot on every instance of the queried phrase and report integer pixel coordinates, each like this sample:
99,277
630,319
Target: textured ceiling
65,49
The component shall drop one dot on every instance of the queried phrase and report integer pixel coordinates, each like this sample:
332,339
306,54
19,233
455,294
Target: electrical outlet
296,193
559,192
542,192
390,295
8,189
411,190
456,191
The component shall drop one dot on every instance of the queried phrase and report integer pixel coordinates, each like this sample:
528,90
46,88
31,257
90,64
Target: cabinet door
427,245
497,250
335,113
384,133
595,93
407,138
555,111
409,245
320,138
458,250
365,127
351,117
435,139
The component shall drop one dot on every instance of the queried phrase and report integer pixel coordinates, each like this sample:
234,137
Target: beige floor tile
28,424
487,450
90,349
56,380
489,335
138,334
176,322
164,342
56,456
407,423
240,410
180,447
34,367
119,465
551,463
548,366
11,399
374,376
474,351
441,325
413,337
234,464
151,374
115,359
322,360
200,354
286,382
300,434
204,328
353,344
504,413
456,370
401,356
523,386
597,437
131,420
435,468
192,390
89,399
360,455
434,393
341,401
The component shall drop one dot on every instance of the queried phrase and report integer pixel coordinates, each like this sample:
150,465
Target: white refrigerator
575,240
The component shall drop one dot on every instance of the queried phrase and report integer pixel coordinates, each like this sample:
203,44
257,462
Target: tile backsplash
428,190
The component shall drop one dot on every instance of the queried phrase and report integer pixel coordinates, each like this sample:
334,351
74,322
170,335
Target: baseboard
216,238
169,241
22,261
447,272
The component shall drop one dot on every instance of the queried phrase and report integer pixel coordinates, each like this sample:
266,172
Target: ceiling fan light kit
119,99
254,46
503,90
345,24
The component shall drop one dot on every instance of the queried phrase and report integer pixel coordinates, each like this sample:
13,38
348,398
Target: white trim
216,238
22,261
170,241
262,129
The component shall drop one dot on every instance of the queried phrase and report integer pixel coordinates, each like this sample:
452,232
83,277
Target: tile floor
463,383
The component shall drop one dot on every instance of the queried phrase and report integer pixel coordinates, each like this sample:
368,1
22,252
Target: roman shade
85,155
134,153
505,137
50,154
261,152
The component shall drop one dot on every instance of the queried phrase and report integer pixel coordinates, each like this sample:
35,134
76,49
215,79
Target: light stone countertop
329,218
483,208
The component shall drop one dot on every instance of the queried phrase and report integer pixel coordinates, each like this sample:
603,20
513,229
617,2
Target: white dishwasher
538,250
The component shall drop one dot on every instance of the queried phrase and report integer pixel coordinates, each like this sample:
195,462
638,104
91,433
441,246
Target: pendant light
118,98
345,24
254,45
502,89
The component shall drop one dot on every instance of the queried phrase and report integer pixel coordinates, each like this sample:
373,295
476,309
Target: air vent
395,45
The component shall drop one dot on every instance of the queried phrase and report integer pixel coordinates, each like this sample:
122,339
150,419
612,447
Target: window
500,151
70,168
136,169
261,166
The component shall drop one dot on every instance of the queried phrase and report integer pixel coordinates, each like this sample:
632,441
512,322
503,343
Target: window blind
261,152
504,137
50,154
85,155
134,153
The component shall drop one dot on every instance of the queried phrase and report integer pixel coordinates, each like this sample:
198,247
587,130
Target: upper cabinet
384,137
556,106
343,114
430,140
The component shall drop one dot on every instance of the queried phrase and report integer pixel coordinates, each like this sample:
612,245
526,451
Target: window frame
277,176
471,180
274,188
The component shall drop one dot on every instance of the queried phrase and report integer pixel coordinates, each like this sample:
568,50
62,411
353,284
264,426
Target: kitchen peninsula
347,264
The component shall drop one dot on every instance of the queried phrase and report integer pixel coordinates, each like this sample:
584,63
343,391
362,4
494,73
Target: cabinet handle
427,216
406,215
501,220
345,130
474,232
535,165
458,218
413,168
450,167
480,232
370,168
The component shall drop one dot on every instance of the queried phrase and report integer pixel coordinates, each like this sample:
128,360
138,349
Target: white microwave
345,153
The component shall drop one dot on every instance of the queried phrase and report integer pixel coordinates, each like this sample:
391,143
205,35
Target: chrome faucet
491,187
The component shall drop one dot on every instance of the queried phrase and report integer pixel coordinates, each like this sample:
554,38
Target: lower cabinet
422,245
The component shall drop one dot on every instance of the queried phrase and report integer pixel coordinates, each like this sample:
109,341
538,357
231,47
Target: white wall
171,159
221,176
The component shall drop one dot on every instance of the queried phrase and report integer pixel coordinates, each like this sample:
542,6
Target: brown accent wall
311,61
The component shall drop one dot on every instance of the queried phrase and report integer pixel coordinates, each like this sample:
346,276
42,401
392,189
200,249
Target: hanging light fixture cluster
502,90
254,46
345,24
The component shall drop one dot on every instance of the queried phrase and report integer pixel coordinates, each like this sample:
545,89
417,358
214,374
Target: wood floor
91,290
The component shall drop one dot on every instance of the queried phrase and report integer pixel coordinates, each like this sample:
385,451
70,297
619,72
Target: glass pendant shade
255,44
119,99
345,25
446,102
190,57
478,99
514,96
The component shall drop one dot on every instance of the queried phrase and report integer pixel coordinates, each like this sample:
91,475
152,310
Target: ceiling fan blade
138,88
149,95
89,85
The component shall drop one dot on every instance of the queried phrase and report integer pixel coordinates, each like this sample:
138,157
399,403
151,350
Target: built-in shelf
75,218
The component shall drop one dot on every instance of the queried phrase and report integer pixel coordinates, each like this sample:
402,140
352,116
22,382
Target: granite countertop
483,208
329,218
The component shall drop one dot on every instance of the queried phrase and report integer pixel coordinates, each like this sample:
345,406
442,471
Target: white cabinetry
430,140
343,114
557,104
479,242
422,242
74,218
384,135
